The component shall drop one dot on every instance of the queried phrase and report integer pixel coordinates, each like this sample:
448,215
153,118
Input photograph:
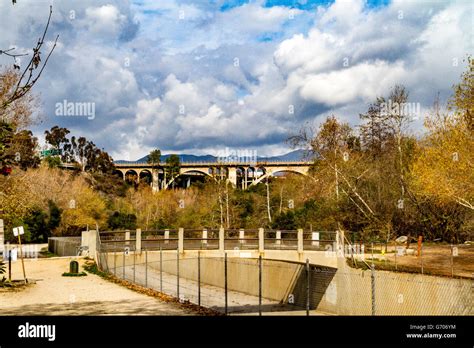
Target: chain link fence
256,285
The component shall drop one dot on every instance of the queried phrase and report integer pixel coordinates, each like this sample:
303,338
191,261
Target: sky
202,76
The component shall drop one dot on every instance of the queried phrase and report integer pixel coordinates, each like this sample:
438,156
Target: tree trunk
268,203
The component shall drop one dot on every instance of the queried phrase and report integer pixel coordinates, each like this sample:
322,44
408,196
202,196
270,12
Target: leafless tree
32,71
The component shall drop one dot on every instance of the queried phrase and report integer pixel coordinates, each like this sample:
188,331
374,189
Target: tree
84,153
173,164
20,113
154,158
444,170
31,72
57,136
54,215
119,220
37,226
24,146
6,138
462,101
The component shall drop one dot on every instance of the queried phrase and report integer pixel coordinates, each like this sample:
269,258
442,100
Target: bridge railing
241,239
218,239
213,164
319,240
201,239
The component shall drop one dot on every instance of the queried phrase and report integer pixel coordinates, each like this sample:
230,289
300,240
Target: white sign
127,251
18,231
455,251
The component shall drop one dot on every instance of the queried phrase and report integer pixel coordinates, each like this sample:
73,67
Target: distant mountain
297,155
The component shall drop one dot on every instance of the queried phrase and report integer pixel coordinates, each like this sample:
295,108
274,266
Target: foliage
444,170
85,154
154,157
80,274
119,220
173,164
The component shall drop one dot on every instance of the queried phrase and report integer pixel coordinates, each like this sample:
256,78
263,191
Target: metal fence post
123,261
372,252
372,278
177,273
225,281
307,287
161,269
146,268
9,265
421,257
452,262
260,285
396,252
134,265
199,278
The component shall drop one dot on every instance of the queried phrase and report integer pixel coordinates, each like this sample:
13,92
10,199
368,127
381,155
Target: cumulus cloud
200,76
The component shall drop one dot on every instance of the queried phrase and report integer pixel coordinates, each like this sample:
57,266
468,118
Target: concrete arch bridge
239,174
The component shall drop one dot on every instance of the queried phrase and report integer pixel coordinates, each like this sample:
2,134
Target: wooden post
420,241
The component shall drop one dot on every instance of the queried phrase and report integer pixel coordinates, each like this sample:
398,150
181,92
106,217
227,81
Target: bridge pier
233,176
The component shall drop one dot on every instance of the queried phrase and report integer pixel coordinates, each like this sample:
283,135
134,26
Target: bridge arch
131,176
188,171
145,176
119,173
270,173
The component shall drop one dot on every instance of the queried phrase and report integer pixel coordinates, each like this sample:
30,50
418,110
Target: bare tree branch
24,86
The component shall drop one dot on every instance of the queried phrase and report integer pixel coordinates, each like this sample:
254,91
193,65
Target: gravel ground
52,294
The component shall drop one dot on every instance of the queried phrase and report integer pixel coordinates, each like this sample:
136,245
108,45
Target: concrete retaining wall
64,246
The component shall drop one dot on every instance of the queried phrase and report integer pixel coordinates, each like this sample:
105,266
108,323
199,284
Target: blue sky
200,76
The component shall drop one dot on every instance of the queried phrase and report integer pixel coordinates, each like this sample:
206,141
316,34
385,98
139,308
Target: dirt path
54,294
437,260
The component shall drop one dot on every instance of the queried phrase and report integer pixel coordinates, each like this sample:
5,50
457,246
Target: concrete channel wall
341,291
351,292
242,273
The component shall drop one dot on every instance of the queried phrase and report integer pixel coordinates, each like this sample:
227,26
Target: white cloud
104,20
363,81
190,62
